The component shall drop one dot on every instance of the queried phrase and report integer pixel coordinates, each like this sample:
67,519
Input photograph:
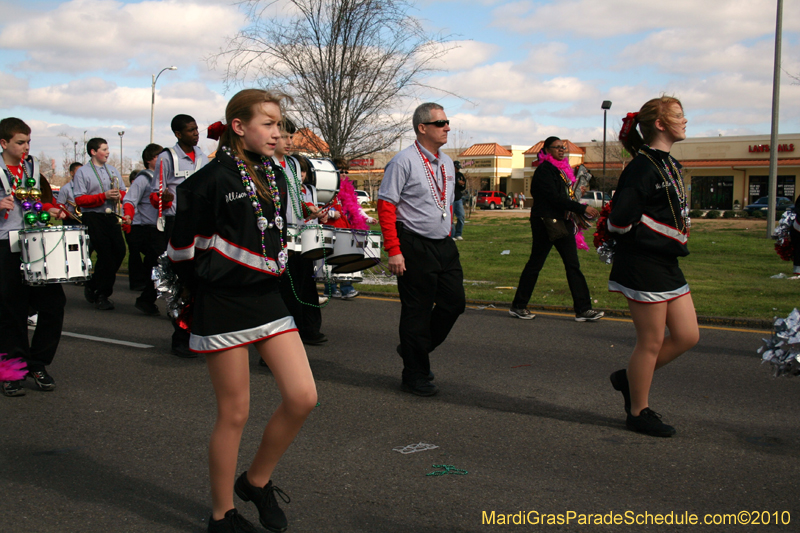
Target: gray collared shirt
92,180
406,185
139,197
170,181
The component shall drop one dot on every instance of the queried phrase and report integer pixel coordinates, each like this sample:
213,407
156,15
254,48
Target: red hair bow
216,130
628,123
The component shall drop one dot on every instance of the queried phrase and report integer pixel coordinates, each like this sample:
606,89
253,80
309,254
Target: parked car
762,204
363,197
490,199
595,199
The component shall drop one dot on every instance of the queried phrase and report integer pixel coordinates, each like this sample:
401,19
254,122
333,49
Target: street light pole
772,183
76,151
121,161
605,106
153,98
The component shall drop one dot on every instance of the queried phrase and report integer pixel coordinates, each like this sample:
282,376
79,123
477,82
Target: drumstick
110,211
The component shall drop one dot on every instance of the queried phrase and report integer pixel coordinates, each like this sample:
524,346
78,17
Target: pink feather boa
564,167
12,369
350,207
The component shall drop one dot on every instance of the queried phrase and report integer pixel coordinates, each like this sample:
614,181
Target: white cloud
94,35
465,55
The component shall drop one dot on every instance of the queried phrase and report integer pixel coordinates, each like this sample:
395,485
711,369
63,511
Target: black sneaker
590,315
89,294
619,380
649,422
270,515
314,340
232,522
524,314
183,352
147,308
13,388
103,303
43,380
431,377
420,387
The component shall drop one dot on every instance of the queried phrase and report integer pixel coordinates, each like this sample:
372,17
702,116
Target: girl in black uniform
228,245
649,216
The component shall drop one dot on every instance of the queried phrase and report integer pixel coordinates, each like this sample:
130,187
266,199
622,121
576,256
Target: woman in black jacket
553,200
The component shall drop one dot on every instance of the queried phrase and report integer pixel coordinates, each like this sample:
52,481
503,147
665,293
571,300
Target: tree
350,65
615,153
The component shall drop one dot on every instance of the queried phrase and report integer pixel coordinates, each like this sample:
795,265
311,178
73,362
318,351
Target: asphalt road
525,408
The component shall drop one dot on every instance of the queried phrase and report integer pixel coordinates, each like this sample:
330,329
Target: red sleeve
387,214
154,201
122,195
129,209
91,200
49,206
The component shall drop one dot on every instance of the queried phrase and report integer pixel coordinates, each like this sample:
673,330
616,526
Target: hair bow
628,123
216,130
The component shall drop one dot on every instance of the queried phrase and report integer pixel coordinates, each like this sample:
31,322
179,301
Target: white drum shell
58,254
317,241
349,246
372,255
326,179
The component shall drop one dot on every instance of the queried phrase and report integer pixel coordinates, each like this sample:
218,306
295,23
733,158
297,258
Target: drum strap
182,173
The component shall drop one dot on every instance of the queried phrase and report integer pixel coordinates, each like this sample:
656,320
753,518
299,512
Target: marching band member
228,246
15,296
99,191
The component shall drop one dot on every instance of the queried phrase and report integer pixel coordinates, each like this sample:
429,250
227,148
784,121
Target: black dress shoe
419,386
147,308
183,351
103,303
431,377
314,340
89,294
649,422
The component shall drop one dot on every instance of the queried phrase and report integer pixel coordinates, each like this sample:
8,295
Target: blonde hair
244,106
653,110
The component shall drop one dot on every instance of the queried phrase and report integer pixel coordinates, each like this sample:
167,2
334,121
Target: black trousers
298,287
136,273
540,248
152,243
432,297
105,234
15,298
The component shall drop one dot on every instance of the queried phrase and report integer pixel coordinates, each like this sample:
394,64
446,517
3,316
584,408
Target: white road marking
101,339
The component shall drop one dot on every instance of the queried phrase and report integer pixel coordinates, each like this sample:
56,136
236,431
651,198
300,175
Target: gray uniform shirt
92,180
171,182
66,195
139,197
406,185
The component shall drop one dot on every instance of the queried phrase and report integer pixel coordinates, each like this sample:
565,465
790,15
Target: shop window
712,192
759,186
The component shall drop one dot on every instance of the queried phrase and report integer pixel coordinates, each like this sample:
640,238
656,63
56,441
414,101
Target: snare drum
293,243
58,254
322,273
325,178
316,241
372,255
349,246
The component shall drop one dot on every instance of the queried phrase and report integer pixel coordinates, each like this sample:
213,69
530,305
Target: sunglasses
438,123
558,147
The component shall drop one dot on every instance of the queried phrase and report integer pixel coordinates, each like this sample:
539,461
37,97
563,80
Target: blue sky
525,70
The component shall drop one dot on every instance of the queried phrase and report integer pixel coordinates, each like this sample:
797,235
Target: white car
363,198
596,199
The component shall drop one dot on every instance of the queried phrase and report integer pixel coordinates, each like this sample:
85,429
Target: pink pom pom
347,197
12,369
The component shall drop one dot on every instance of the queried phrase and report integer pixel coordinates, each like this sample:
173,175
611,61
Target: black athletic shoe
233,522
89,294
103,303
419,386
619,380
431,377
13,388
649,422
270,515
147,308
183,352
43,380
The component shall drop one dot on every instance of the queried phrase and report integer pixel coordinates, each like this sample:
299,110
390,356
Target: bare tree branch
350,65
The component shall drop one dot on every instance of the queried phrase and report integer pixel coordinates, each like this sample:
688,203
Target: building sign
765,148
476,163
362,163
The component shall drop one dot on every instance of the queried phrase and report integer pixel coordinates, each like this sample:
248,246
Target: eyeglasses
558,148
438,123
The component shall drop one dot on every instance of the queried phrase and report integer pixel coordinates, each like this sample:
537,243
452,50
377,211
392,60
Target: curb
730,322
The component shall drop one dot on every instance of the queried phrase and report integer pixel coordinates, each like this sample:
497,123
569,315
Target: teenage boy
142,233
171,169
66,195
298,288
15,296
99,190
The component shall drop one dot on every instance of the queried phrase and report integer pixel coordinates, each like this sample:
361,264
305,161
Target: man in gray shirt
415,207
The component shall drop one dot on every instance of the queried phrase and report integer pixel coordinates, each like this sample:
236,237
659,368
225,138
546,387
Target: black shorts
647,278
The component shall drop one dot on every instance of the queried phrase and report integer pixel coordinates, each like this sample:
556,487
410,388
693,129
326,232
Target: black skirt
232,317
647,278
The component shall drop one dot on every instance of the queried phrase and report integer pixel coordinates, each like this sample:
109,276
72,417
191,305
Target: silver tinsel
783,227
169,287
782,351
606,251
